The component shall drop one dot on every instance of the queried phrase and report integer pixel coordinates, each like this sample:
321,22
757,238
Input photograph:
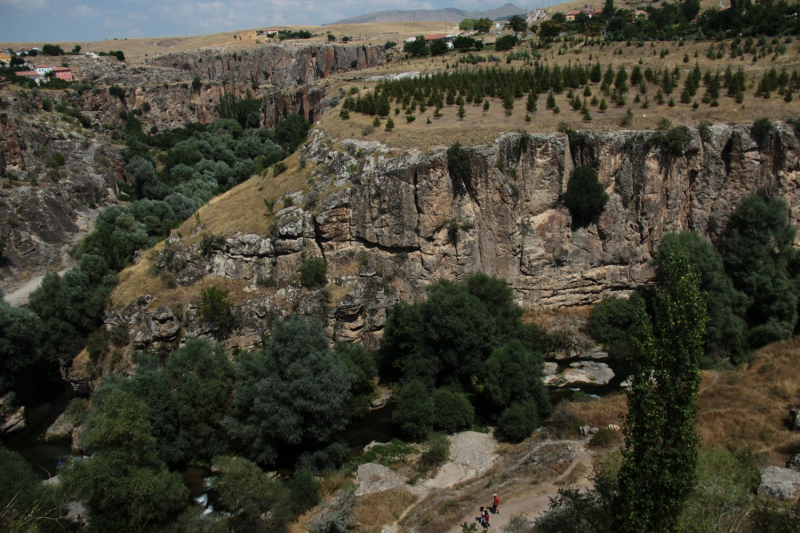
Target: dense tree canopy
291,398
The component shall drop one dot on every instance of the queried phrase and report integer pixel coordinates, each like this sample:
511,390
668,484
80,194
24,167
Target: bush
604,437
453,411
458,164
279,168
438,451
585,197
56,160
215,308
304,491
761,130
313,271
97,344
506,42
613,322
517,423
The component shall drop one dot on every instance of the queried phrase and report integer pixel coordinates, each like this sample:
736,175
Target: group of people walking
483,517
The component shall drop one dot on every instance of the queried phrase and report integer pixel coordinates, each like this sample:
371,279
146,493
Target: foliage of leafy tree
517,421
726,329
417,48
506,42
201,382
453,412
215,308
313,271
585,197
464,336
292,132
290,398
27,505
125,486
254,500
71,307
613,322
657,474
414,414
52,50
549,29
483,25
244,110
757,251
466,24
363,368
438,47
19,344
517,24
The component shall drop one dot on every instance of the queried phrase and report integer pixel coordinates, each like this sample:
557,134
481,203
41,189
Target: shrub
761,130
506,42
97,344
517,423
585,197
279,168
56,160
438,451
313,271
304,491
215,308
458,164
604,437
612,323
453,411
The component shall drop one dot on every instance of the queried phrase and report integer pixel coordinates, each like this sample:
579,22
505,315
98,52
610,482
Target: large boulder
582,373
163,324
373,477
779,483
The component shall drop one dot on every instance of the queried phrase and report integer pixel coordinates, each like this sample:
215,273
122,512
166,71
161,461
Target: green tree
757,251
517,24
52,50
214,308
417,48
550,29
414,413
291,397
517,422
726,328
483,25
19,344
466,24
613,323
292,132
506,42
254,500
585,197
453,412
657,474
514,375
363,369
201,383
125,486
27,504
438,47
461,112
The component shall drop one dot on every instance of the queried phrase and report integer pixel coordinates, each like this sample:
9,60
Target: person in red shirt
495,503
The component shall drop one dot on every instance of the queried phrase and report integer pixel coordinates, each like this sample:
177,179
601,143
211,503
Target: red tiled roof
574,12
434,37
27,73
62,69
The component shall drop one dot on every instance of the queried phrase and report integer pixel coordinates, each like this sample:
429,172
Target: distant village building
63,73
42,70
5,59
31,75
589,12
26,50
639,13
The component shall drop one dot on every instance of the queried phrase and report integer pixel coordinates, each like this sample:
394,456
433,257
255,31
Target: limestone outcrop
282,65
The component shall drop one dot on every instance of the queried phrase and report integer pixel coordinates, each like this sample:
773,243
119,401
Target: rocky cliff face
389,227
46,209
283,65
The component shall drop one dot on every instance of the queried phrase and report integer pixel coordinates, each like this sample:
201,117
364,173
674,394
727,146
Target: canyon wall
388,227
282,65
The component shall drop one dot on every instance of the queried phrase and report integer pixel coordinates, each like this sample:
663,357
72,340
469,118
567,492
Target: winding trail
19,297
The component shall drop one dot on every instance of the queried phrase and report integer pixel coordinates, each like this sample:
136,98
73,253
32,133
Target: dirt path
19,297
533,504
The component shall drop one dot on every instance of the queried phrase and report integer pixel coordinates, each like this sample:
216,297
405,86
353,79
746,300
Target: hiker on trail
485,522
479,518
495,503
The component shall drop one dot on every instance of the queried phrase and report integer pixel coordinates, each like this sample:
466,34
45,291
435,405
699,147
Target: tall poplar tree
657,474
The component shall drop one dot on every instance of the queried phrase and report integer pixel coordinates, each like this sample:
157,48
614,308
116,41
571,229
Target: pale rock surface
779,483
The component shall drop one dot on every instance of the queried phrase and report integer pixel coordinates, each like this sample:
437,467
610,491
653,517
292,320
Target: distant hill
449,14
